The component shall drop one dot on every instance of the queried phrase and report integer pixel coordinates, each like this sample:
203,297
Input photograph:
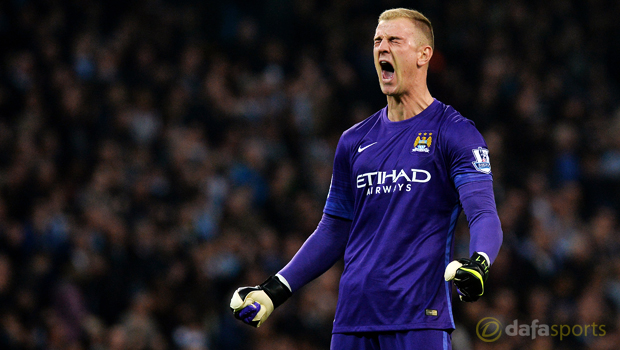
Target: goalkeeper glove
469,276
253,305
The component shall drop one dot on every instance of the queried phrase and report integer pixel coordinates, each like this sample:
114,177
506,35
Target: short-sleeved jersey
397,182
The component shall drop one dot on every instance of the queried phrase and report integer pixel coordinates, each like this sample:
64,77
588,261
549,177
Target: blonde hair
420,21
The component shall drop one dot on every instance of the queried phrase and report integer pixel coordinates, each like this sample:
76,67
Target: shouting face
400,50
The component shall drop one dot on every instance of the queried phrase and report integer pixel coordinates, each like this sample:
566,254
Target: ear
424,55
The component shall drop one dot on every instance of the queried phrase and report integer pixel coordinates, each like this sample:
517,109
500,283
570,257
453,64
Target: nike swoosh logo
360,149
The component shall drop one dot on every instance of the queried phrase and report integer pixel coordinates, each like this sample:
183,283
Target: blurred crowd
155,155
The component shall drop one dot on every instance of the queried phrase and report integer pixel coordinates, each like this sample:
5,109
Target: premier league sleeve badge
482,163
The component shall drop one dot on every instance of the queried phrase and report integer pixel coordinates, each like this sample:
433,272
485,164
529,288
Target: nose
383,46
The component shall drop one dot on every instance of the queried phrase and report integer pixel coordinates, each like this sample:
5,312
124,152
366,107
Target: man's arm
322,249
320,252
485,230
467,158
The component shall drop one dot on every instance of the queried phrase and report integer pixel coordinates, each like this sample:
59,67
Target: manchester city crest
423,142
482,163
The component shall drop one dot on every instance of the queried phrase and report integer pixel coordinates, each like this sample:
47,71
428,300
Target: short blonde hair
420,21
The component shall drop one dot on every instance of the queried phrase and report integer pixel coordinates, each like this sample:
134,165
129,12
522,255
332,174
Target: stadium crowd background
155,155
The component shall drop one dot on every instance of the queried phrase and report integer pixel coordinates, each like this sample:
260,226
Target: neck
408,105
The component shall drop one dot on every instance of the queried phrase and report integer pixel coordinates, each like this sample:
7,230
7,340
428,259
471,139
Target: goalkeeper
400,180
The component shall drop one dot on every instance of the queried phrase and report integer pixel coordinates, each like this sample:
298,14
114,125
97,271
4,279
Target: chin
388,91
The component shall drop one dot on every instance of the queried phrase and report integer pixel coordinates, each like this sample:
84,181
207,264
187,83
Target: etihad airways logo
379,182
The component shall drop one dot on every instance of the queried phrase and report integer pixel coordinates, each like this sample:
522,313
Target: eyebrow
389,37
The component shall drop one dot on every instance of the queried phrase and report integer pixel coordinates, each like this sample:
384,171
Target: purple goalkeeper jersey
397,182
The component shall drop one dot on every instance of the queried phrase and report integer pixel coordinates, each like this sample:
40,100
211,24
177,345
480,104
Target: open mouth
387,70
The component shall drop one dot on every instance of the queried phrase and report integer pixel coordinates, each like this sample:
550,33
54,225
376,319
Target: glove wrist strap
276,290
482,262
